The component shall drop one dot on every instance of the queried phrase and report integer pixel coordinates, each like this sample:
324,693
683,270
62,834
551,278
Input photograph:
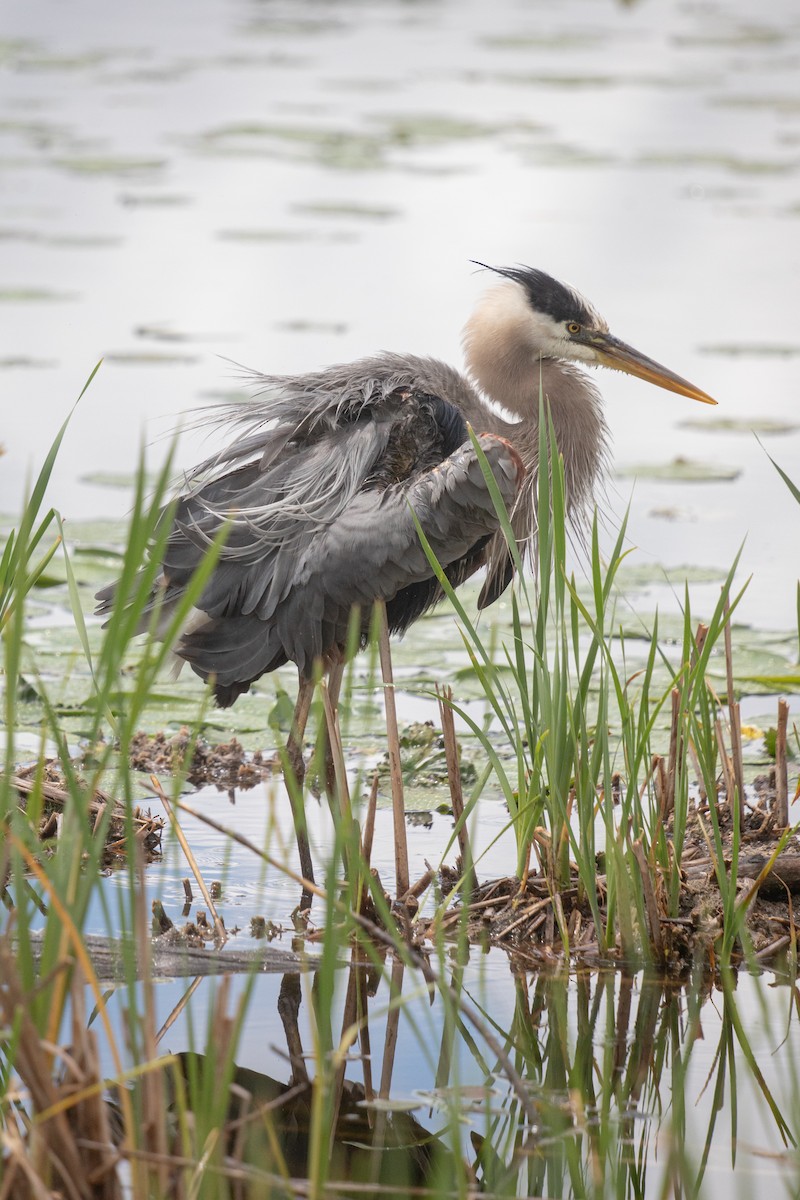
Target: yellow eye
573,327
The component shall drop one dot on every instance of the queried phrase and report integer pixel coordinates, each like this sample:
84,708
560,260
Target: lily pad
33,295
113,479
559,40
373,212
681,470
264,235
111,165
300,326
753,349
149,358
432,128
22,361
764,425
642,574
328,146
82,241
154,200
729,162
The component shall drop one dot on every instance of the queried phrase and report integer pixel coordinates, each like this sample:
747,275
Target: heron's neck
508,371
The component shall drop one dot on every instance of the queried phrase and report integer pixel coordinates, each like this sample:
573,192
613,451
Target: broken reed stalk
395,766
179,1008
219,928
445,699
781,771
733,714
699,641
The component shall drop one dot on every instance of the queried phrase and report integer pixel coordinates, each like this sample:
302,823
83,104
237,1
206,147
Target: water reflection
561,1085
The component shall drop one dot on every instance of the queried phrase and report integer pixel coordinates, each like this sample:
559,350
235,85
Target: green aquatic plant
570,1083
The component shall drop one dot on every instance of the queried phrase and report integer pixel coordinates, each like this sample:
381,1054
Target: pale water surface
290,184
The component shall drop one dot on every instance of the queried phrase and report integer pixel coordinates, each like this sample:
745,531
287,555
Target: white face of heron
505,325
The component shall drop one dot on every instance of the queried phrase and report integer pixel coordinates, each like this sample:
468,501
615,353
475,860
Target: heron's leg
294,753
335,677
289,998
294,745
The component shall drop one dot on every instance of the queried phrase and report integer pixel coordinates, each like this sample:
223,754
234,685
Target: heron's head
532,315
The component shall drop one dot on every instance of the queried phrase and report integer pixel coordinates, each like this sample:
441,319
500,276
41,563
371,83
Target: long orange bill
622,357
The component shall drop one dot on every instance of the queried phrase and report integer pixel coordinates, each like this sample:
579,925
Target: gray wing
354,403
299,611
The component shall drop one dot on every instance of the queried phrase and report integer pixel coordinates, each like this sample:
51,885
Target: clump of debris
227,764
105,814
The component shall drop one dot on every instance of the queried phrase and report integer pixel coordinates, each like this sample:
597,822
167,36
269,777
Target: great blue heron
324,471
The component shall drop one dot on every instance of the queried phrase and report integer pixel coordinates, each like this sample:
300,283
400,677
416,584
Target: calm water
290,184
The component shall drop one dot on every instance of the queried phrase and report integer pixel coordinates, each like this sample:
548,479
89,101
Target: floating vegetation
727,162
735,36
111,164
154,200
642,574
753,349
32,61
426,129
304,326
341,148
265,235
44,792
34,295
348,209
14,362
111,479
789,104
680,470
547,79
563,39
226,765
560,154
761,425
149,358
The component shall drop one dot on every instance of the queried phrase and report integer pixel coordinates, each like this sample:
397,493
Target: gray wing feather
370,552
298,412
